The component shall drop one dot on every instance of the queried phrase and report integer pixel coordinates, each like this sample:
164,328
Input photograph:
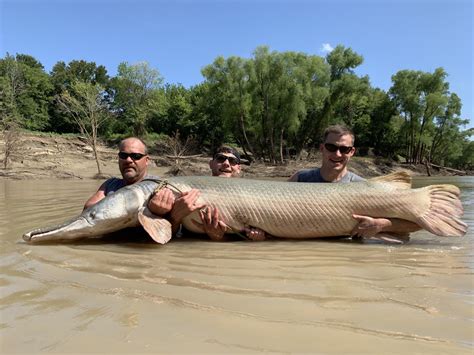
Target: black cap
229,150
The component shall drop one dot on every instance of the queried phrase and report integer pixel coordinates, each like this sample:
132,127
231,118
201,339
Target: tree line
273,105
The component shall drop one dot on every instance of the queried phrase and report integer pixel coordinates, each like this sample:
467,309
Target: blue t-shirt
314,175
114,184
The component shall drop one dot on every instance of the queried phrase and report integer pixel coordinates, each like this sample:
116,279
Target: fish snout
27,236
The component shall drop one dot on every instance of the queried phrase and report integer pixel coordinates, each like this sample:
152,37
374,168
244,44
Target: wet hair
339,130
135,138
227,149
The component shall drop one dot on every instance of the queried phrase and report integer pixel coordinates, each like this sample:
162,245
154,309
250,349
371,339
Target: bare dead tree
84,102
12,84
179,149
11,135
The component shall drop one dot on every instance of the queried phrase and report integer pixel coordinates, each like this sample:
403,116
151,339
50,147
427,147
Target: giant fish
281,209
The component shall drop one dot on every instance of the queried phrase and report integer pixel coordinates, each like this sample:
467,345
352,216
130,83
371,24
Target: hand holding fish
255,234
211,224
161,202
367,226
185,205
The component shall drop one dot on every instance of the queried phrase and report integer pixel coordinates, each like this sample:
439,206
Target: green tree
207,116
277,100
466,160
29,90
336,81
136,91
229,79
384,125
343,81
445,123
314,77
172,111
9,119
420,97
62,76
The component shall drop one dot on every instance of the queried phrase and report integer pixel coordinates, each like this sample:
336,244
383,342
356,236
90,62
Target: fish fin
157,227
401,179
394,238
443,217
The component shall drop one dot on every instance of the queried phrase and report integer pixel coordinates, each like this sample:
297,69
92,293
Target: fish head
111,214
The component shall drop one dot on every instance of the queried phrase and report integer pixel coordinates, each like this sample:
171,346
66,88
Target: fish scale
304,210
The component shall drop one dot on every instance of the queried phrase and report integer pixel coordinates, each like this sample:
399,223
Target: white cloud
326,48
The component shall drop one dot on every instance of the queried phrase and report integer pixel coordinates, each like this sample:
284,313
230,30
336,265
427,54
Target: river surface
195,296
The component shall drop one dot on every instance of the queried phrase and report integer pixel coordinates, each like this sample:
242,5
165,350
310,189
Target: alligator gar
281,209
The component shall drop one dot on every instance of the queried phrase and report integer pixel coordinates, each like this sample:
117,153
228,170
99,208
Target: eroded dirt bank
48,156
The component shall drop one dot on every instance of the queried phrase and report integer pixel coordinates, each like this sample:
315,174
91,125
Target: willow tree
384,125
343,81
86,104
332,80
287,104
229,79
313,75
420,97
449,141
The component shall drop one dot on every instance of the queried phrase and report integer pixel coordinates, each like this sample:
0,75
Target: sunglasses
134,156
334,148
220,158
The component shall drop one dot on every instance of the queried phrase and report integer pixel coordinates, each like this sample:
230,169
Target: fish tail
443,217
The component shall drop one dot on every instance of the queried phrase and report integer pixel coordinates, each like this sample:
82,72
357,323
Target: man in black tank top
133,163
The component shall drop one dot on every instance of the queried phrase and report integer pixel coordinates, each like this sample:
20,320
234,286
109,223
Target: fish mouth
76,228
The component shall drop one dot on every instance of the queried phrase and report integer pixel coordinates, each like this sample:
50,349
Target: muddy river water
195,296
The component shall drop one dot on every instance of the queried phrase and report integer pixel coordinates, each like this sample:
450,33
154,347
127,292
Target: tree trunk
244,134
281,146
272,146
94,148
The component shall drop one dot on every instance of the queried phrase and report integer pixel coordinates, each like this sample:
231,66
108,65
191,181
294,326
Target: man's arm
99,195
368,227
294,177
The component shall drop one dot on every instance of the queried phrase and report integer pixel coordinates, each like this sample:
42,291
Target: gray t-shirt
314,175
114,184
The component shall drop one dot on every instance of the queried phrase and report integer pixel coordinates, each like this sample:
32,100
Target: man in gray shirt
337,149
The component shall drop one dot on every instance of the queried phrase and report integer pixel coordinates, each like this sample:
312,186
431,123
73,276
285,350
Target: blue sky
180,37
